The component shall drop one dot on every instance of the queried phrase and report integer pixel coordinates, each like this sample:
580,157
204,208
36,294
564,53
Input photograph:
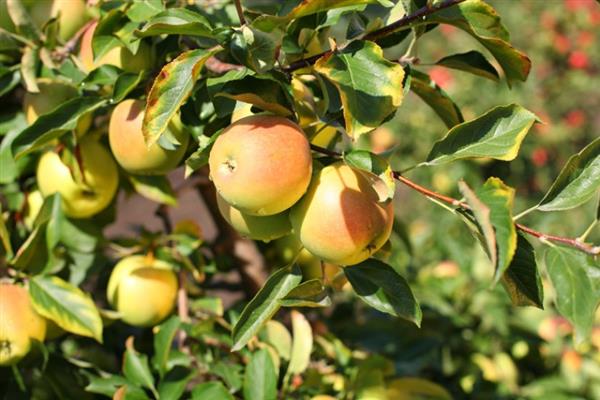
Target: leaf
496,134
576,296
163,340
176,21
254,48
20,17
5,237
11,168
154,187
302,344
471,61
435,97
260,379
311,293
125,84
417,389
29,66
374,164
482,22
103,75
265,304
277,335
170,89
370,86
173,385
106,385
136,367
199,158
522,279
52,125
143,10
498,198
211,390
578,181
66,305
380,286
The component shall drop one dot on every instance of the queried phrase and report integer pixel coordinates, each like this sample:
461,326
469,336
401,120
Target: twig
575,243
380,33
71,45
240,12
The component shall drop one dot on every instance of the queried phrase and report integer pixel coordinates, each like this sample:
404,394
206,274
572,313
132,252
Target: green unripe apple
143,290
19,324
73,15
52,94
261,164
80,199
118,56
128,145
264,228
289,248
341,219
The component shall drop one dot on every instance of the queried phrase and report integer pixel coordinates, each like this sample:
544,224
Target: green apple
143,290
73,15
89,195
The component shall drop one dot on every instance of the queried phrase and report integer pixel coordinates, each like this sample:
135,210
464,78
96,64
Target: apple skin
120,56
265,228
261,164
128,145
340,219
142,290
80,200
19,324
52,94
73,15
288,247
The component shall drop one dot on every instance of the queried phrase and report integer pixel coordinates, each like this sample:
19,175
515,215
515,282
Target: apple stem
544,237
240,12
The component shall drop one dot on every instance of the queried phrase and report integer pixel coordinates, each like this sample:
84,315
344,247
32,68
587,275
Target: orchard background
434,98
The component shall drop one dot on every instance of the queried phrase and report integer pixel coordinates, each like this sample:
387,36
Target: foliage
435,313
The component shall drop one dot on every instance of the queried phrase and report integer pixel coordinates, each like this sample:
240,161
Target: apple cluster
266,188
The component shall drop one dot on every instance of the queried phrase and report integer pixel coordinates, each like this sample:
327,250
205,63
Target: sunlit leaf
154,187
260,379
176,21
301,345
136,367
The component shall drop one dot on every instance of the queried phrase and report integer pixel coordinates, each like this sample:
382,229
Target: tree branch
380,33
240,12
575,243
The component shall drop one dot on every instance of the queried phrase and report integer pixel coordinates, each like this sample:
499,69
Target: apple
80,199
19,324
264,228
118,56
290,248
34,203
261,164
143,290
341,219
52,94
73,15
128,145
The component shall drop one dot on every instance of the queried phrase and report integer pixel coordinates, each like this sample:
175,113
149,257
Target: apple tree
262,109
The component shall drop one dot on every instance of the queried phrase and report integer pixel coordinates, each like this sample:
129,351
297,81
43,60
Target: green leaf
171,88
5,237
66,305
52,125
163,340
482,22
106,385
277,335
176,21
302,344
125,84
370,86
374,164
578,181
522,279
576,295
199,158
103,75
381,287
11,168
435,97
29,66
136,367
20,17
143,10
496,134
311,293
172,386
498,198
211,390
154,187
471,61
260,379
265,304
254,48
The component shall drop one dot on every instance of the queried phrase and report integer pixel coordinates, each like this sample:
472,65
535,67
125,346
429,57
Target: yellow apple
143,290
340,219
73,15
19,324
289,248
128,145
261,164
34,204
264,228
52,94
119,56
90,195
